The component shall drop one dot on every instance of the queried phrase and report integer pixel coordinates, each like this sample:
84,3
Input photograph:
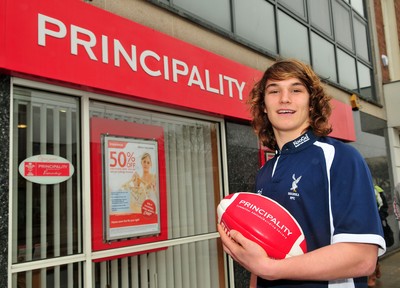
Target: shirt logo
294,183
293,193
303,139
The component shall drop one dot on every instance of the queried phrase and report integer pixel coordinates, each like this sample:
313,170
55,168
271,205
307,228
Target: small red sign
148,208
47,169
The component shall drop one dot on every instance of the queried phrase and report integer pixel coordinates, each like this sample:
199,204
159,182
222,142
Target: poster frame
128,223
123,129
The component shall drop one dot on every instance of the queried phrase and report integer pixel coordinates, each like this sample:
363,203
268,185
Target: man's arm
336,261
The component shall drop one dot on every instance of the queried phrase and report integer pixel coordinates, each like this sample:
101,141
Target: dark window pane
347,70
320,16
296,6
342,20
216,12
323,57
364,80
360,34
293,38
358,5
255,22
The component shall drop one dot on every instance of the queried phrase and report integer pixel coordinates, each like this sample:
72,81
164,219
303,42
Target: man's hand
244,251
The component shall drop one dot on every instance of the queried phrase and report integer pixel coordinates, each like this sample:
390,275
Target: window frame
376,100
88,257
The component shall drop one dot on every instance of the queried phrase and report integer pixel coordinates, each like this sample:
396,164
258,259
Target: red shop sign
98,50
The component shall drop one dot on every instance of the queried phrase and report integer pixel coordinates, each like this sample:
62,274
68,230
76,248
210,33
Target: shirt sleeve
354,213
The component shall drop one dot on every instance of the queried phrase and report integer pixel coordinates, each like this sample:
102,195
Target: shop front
121,140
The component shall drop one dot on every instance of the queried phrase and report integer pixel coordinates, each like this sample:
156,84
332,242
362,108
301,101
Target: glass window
243,161
48,217
243,155
192,167
198,264
358,5
292,35
372,144
347,70
193,192
360,34
69,275
216,12
284,29
320,16
255,21
342,24
296,6
364,80
323,57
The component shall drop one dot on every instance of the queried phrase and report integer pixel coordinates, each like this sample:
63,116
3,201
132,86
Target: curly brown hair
320,108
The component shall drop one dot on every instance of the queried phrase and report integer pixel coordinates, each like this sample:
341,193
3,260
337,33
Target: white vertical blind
29,196
125,273
189,150
43,192
47,221
41,228
56,199
134,272
146,270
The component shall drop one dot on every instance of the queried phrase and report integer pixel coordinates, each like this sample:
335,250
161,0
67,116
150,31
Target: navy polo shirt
327,186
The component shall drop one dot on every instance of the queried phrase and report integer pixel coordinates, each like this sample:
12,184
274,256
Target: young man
333,197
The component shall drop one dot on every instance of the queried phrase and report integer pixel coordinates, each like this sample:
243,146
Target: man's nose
285,96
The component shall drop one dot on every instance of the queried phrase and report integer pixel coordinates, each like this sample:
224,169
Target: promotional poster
132,189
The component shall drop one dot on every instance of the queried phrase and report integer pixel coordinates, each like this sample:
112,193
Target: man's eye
272,91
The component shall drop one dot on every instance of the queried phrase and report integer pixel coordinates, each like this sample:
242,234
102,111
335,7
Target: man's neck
283,137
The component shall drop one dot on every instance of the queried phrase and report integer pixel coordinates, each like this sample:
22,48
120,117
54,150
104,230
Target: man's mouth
285,111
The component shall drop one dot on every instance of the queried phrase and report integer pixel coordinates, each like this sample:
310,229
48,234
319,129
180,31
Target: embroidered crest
294,183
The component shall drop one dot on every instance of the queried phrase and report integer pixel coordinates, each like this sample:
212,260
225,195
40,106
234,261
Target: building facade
388,33
97,94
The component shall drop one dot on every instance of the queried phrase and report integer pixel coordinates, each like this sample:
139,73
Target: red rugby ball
263,221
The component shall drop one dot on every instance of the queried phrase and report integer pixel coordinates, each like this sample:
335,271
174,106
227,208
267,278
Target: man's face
287,105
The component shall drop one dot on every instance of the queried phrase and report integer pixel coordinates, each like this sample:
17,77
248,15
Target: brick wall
397,11
381,36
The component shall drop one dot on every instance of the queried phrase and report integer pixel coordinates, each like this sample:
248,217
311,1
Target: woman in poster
143,187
